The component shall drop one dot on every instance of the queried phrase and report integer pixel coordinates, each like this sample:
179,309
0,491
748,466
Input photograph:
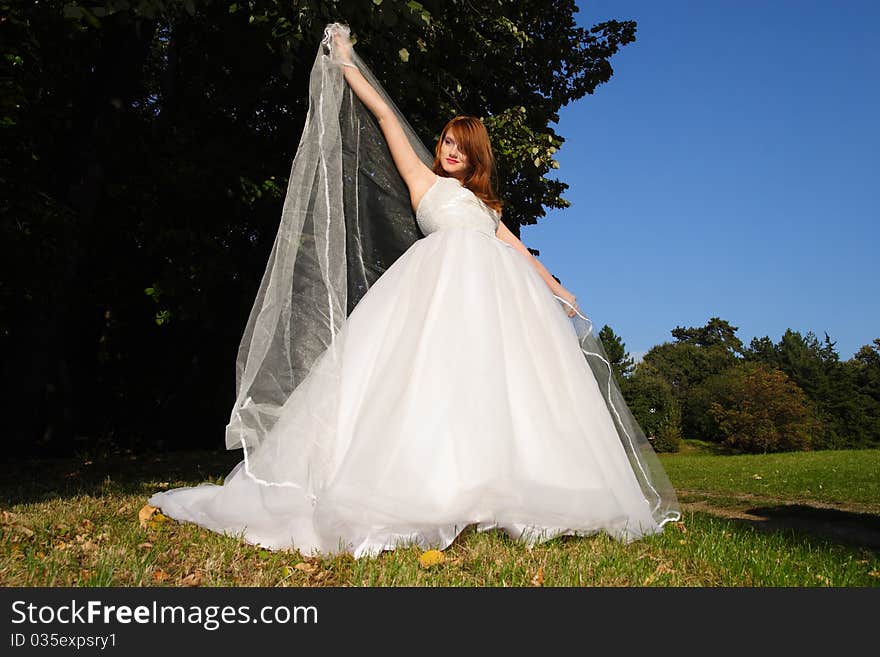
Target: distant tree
669,434
697,355
621,362
867,367
831,386
762,410
716,333
649,397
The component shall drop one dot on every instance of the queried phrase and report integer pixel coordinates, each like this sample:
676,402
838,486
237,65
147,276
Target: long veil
346,218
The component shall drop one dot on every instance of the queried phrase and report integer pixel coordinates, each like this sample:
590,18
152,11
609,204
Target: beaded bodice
448,204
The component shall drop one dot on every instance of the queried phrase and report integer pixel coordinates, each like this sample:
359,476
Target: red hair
473,140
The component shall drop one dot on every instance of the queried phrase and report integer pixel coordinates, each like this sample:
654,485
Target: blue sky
730,169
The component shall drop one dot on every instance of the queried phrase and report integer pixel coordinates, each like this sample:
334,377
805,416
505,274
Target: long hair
473,140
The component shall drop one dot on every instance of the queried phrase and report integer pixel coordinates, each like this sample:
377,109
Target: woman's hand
569,298
342,46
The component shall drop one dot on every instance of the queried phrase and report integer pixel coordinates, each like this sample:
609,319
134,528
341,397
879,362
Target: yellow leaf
159,575
538,579
145,514
403,53
431,558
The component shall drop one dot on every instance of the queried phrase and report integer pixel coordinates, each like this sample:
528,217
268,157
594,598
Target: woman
456,391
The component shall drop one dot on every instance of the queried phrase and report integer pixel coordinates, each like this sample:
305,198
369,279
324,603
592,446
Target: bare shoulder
419,182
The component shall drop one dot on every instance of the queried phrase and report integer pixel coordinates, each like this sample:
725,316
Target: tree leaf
145,514
193,579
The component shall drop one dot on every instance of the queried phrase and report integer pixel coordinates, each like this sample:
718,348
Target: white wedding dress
463,399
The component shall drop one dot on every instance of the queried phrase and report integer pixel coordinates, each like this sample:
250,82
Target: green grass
846,477
75,523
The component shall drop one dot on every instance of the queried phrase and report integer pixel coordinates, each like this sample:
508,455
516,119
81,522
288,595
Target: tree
832,387
762,410
621,362
716,333
650,399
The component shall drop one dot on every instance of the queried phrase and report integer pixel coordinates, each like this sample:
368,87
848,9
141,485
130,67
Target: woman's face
453,160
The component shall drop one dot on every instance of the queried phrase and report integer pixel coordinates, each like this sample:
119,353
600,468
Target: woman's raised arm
417,176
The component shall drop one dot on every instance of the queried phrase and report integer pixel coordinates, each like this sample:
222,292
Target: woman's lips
451,161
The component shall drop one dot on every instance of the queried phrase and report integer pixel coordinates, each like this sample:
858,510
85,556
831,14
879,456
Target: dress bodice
449,204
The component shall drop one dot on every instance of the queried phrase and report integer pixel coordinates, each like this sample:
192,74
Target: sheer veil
346,218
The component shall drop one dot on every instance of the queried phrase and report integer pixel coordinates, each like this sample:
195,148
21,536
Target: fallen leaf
14,523
431,558
681,527
88,546
146,546
757,476
145,514
193,579
160,575
306,567
538,579
24,531
661,569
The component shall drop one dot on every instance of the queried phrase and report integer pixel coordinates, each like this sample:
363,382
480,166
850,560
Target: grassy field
806,519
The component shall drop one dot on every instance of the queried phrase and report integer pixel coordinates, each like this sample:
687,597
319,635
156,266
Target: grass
74,522
848,478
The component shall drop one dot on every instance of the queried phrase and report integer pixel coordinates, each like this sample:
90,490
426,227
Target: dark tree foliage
146,145
716,333
759,409
650,398
840,391
621,362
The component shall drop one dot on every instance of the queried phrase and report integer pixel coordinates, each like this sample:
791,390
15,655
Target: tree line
794,394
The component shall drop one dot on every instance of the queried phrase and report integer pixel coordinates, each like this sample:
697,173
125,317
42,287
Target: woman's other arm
415,174
503,233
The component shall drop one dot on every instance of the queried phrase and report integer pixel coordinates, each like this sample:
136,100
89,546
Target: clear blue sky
730,169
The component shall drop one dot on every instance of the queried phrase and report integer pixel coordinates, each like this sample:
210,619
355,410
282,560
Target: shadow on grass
848,528
843,527
30,481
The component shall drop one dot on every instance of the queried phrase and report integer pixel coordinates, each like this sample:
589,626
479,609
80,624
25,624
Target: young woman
457,391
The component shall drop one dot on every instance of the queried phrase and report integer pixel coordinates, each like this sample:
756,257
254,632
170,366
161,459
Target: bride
400,380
